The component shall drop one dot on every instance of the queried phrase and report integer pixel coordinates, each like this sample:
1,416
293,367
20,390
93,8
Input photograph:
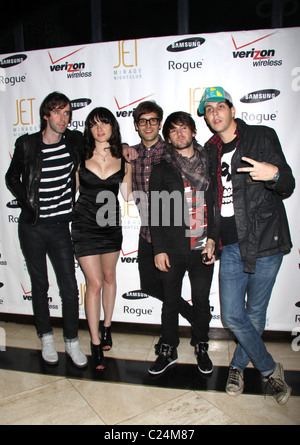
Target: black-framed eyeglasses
152,121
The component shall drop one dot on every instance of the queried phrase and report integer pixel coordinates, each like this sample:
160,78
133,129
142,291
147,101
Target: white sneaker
75,353
49,353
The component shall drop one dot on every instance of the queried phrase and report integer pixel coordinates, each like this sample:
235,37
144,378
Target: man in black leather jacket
42,178
251,178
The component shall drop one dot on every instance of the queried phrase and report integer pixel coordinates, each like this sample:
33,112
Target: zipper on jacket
37,209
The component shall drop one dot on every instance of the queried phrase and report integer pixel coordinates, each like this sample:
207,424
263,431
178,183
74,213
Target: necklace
101,155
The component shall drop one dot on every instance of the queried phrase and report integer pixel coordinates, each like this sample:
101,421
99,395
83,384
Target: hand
259,171
161,261
129,153
209,249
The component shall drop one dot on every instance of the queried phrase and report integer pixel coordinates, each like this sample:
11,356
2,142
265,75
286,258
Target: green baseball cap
213,94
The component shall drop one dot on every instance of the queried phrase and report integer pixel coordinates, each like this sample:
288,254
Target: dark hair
148,106
178,118
230,105
52,101
103,115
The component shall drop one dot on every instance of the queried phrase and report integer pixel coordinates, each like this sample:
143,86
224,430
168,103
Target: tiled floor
33,395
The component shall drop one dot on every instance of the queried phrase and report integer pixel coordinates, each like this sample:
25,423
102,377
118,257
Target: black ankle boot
204,363
167,356
106,341
98,357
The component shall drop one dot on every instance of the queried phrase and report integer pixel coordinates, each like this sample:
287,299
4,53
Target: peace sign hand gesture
259,171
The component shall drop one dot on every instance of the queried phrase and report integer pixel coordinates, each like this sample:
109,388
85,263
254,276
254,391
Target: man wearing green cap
251,178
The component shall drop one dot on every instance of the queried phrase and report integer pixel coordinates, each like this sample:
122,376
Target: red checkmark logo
132,103
64,57
250,43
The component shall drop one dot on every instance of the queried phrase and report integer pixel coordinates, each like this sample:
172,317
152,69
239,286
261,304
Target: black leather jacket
171,237
23,175
260,216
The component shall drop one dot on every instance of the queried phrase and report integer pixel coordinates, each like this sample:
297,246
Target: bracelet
276,176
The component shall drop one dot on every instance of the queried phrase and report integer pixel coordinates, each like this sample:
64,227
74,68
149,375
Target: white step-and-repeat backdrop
261,70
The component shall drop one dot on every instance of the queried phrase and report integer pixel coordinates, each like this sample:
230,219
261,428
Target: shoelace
277,385
234,376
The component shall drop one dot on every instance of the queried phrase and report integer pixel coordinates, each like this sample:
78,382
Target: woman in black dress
96,226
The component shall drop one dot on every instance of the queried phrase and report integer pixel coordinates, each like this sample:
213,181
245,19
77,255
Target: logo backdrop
261,70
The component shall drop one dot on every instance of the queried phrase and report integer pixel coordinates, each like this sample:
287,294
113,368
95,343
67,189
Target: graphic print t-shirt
228,227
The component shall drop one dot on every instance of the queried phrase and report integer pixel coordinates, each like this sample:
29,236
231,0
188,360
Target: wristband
276,176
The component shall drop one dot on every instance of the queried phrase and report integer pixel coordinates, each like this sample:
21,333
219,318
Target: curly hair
102,114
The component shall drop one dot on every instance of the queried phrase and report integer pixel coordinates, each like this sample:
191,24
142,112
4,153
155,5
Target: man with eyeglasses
148,118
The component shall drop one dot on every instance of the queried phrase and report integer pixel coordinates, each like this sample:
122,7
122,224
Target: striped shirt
55,194
141,170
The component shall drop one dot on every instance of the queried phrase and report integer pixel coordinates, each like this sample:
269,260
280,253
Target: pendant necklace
101,155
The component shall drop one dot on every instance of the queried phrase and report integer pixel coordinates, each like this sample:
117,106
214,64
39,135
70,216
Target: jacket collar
240,130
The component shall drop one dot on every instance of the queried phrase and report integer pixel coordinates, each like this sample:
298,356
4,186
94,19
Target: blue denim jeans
246,317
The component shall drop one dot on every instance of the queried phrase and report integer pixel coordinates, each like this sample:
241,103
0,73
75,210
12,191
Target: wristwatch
276,176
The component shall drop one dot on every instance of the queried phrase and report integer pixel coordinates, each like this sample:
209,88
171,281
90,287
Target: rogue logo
12,60
259,96
186,44
261,56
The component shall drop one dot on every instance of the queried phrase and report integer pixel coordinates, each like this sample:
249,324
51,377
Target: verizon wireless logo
259,57
73,69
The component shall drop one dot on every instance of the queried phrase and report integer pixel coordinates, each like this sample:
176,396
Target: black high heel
106,340
98,357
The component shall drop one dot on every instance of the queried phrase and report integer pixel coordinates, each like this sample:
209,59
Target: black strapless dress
96,223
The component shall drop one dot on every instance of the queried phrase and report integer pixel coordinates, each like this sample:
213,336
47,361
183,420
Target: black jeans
54,241
200,276
150,278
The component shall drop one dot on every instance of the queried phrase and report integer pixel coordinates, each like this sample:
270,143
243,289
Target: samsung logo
12,60
135,295
80,103
186,44
13,204
259,96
